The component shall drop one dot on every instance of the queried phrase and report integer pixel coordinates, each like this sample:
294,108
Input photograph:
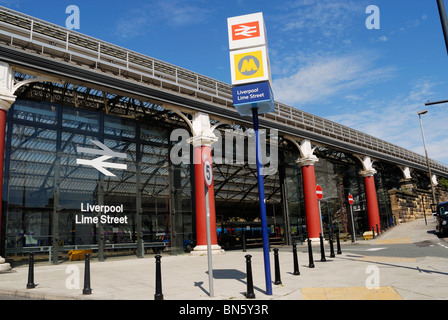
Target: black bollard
377,230
322,250
277,268
244,241
331,246
158,295
338,243
310,254
296,260
373,232
87,289
250,285
31,284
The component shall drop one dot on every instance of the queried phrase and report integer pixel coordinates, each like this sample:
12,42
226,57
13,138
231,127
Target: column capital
6,101
8,85
202,140
7,97
202,131
367,166
308,161
406,172
200,127
307,157
434,180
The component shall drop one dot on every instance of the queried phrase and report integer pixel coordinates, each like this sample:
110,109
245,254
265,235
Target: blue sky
324,60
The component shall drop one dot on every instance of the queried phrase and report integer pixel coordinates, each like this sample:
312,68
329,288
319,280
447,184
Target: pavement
365,270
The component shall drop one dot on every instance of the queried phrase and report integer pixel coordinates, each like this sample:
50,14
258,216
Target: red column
372,203
2,157
311,202
201,223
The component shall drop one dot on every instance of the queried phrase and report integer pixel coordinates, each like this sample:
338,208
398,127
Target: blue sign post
264,224
252,95
258,99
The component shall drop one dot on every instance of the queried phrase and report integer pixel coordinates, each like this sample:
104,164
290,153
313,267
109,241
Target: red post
201,223
311,203
372,203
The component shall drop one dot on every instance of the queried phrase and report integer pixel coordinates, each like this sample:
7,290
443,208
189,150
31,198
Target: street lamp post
420,113
443,20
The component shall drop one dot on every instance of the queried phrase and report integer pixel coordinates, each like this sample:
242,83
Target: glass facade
46,190
338,175
292,193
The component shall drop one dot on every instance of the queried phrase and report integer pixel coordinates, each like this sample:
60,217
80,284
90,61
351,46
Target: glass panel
338,176
119,127
42,112
120,191
30,185
80,120
79,185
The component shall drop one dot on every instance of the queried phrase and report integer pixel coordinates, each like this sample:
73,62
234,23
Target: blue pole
264,224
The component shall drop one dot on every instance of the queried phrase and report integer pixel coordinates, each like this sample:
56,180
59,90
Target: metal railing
44,38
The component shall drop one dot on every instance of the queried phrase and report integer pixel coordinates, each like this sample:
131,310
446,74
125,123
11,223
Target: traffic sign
319,192
208,172
350,199
208,177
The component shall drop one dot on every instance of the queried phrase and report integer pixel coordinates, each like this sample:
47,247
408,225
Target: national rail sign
100,163
246,31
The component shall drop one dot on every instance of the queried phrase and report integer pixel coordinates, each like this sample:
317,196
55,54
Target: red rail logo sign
246,30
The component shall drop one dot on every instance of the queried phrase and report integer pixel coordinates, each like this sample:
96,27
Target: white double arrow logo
99,163
245,31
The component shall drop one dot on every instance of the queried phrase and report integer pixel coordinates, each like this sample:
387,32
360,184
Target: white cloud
324,77
397,122
321,17
140,21
133,24
181,13
15,4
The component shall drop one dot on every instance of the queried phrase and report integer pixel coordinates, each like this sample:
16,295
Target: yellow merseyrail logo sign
249,66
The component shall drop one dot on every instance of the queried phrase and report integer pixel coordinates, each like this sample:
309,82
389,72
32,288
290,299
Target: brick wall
411,203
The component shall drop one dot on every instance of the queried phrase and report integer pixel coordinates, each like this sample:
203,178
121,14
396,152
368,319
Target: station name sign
259,93
93,214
